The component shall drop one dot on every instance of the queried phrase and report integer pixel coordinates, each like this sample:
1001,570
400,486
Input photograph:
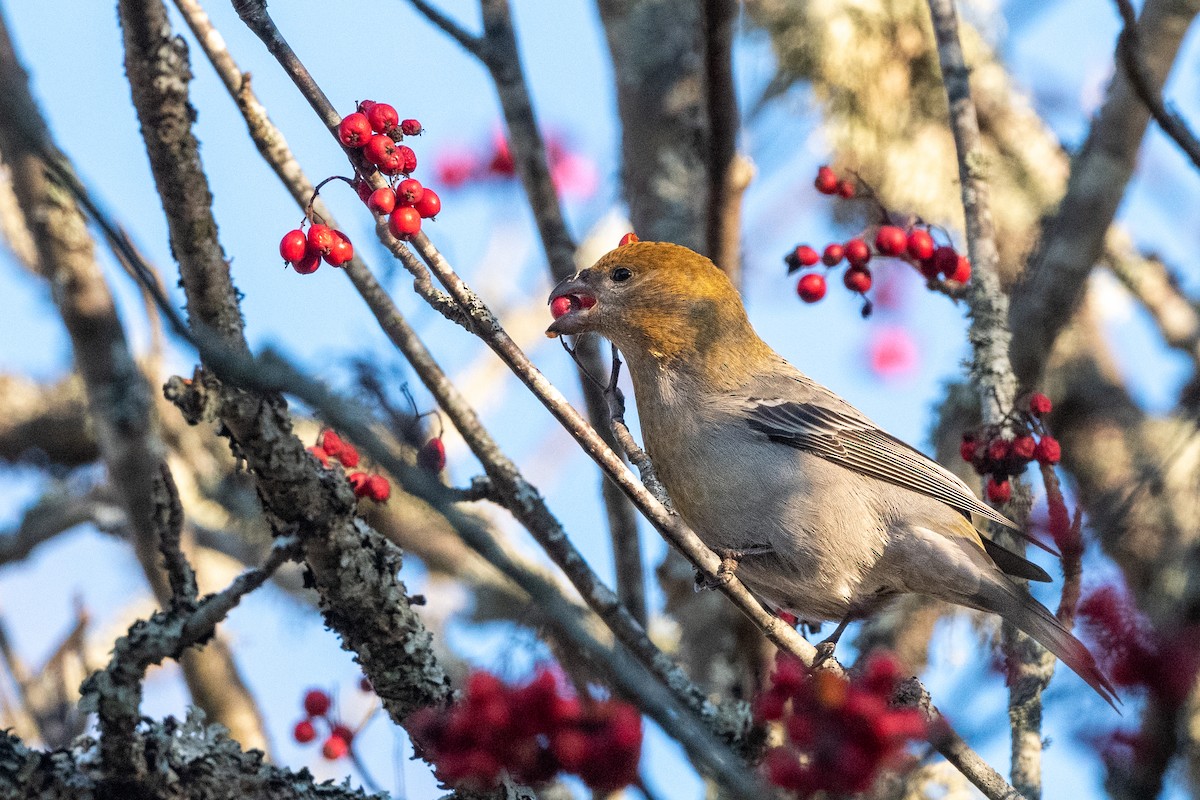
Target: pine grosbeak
831,515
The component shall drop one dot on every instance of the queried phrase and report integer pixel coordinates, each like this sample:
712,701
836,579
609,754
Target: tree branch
1073,240
1029,666
1129,47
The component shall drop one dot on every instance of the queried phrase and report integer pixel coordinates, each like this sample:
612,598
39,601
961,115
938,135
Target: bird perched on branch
825,515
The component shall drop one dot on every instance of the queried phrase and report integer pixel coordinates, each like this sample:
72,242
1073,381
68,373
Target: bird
821,512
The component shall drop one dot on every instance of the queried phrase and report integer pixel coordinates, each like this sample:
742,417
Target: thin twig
472,44
1129,48
168,521
498,52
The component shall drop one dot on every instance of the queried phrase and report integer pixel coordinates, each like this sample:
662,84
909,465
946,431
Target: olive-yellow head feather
656,299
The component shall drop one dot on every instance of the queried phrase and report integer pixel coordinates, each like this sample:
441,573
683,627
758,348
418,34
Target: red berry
962,271
343,733
628,238
846,189
332,443
827,181
429,205
380,150
857,279
945,259
348,456
320,455
316,703
341,252
811,287
409,192
408,159
1048,451
411,127
358,482
404,223
320,238
560,306
891,240
382,201
920,244
293,246
354,130
365,105
999,491
308,265
998,449
572,748
857,252
363,189
304,732
432,455
335,747
806,255
378,488
968,449
1023,448
928,267
1039,404
382,117
833,255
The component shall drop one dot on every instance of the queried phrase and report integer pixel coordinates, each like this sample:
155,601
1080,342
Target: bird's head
656,298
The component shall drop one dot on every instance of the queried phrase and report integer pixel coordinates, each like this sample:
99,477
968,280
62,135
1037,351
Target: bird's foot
825,650
730,560
826,646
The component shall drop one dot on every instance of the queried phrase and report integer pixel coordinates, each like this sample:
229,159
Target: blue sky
487,234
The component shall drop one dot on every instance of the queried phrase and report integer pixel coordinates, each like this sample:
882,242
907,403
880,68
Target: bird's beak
571,305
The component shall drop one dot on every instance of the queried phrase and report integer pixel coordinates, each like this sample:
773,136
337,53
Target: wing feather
856,443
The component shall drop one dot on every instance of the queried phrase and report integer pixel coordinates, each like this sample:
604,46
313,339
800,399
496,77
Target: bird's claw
825,650
730,559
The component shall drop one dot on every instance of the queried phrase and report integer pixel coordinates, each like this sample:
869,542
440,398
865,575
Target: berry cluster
914,244
994,454
331,446
318,710
839,733
533,732
304,252
572,173
376,130
1134,653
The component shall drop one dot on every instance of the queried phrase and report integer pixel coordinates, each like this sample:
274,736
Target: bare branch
1149,280
472,44
1129,47
1073,240
497,50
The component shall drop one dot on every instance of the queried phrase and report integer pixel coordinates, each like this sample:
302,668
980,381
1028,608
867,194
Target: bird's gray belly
822,522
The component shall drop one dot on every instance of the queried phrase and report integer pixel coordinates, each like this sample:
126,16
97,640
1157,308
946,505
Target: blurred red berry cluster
332,446
1136,655
532,731
840,733
999,456
319,712
572,173
914,244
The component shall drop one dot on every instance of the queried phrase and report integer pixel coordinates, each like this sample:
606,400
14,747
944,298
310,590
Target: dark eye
620,274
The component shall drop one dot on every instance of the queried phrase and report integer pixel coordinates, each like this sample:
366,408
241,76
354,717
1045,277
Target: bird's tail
1017,606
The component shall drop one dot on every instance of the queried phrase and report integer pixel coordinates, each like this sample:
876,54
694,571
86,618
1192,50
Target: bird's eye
620,274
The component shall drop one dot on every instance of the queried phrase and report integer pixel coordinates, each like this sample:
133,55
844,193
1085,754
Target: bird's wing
837,432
